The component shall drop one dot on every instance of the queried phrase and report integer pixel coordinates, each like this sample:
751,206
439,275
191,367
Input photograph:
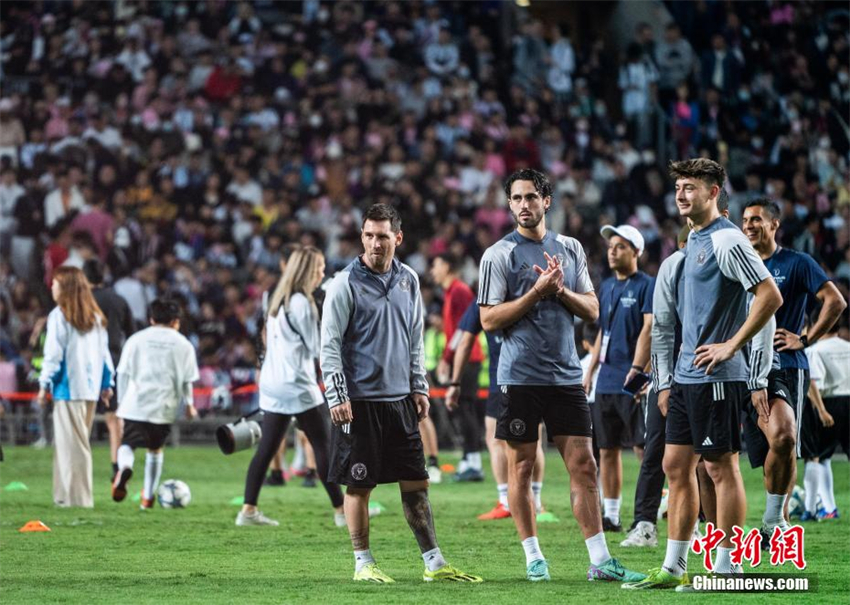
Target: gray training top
539,349
720,267
372,335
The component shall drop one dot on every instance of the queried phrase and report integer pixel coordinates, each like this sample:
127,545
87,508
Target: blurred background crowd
184,144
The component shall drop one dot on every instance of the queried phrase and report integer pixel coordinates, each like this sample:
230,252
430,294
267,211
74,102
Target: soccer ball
174,494
797,502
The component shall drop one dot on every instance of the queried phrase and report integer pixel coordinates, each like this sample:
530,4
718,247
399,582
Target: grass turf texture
118,554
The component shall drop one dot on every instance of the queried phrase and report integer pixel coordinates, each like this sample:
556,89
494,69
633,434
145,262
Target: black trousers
316,424
471,409
651,478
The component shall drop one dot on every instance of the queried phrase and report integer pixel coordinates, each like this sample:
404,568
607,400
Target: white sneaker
339,520
642,535
374,511
40,443
662,506
257,518
435,475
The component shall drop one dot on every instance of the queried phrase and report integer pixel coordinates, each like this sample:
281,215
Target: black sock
277,474
432,461
114,468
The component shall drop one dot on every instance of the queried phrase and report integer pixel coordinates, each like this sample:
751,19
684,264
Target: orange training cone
34,526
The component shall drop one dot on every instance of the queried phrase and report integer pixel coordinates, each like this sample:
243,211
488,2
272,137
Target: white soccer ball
174,494
797,502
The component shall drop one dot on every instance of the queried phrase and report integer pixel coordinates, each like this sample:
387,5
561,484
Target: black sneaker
119,484
470,475
275,478
309,479
608,525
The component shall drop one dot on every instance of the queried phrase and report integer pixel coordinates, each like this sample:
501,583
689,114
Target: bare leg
496,447
577,453
707,494
638,450
540,460
429,437
731,499
357,516
277,460
115,428
521,458
611,467
683,502
417,511
781,433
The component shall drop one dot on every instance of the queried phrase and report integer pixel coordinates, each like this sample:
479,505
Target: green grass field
118,554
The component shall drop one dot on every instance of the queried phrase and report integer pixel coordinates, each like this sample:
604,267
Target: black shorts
145,434
618,420
495,401
102,408
706,416
824,440
781,384
564,409
381,445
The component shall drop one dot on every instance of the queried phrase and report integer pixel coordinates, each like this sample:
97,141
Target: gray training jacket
372,335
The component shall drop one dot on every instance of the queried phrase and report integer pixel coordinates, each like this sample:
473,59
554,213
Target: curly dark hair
540,180
708,171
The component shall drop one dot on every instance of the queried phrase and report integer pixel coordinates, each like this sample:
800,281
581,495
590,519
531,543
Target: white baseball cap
627,232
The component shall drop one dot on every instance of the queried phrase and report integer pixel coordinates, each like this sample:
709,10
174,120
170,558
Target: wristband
638,368
805,340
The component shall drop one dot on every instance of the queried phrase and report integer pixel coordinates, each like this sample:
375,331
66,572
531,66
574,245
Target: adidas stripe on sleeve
492,276
737,259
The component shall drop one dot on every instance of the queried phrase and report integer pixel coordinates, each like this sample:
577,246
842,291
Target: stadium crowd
184,144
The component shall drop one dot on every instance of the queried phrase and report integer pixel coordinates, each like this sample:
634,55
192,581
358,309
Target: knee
675,470
719,472
784,442
522,469
583,467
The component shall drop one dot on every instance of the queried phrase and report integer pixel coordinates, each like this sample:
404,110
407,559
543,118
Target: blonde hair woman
77,370
289,384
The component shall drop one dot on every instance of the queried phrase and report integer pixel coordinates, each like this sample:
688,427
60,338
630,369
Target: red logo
787,546
747,548
706,544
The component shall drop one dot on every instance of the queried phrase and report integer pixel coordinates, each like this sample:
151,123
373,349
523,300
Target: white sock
676,560
433,559
612,509
474,460
298,461
362,558
597,548
153,472
826,492
723,561
773,510
811,483
503,495
532,550
536,488
126,457
462,466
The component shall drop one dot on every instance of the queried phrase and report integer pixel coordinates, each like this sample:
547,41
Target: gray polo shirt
539,349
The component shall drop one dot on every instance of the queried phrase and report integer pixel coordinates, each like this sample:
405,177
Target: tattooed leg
356,507
417,511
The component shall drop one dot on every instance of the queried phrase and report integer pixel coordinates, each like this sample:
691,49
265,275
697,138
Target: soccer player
622,350
457,298
719,269
829,392
372,356
539,371
773,441
468,329
155,373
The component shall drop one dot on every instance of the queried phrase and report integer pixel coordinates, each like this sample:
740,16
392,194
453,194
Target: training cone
447,468
34,526
16,486
237,501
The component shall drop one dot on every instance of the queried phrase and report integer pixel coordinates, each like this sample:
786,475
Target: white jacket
76,365
288,381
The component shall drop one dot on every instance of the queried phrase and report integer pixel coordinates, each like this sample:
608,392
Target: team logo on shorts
701,256
358,471
404,283
517,427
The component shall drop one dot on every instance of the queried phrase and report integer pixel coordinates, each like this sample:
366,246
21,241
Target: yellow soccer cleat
448,573
372,573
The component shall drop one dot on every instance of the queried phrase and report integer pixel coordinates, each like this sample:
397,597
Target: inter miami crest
701,256
404,283
358,471
517,427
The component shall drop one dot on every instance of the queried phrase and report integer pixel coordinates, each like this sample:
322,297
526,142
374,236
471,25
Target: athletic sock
153,472
536,489
126,457
433,559
676,560
532,550
362,558
612,509
114,468
503,495
432,461
723,562
811,483
827,495
773,510
474,460
597,548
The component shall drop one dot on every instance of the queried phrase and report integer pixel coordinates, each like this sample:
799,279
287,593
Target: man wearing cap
621,352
